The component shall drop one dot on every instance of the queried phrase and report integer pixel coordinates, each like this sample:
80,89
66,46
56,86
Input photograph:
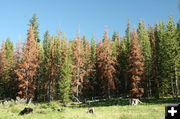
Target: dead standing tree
51,72
27,68
105,66
78,66
136,70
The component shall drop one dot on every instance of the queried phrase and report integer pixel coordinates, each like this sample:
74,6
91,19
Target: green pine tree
10,67
170,52
147,53
128,38
35,26
65,82
47,55
123,61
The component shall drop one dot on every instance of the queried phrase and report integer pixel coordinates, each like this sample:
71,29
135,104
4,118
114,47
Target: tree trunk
49,92
150,90
172,87
78,76
177,81
157,88
109,95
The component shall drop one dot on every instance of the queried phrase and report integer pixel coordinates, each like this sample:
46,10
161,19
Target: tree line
143,63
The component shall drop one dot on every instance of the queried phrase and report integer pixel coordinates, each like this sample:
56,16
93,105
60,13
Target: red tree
27,67
106,66
136,69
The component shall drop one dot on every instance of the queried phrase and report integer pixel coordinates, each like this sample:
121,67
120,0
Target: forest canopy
144,62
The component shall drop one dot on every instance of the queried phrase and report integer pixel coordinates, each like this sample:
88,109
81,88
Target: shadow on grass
161,101
125,102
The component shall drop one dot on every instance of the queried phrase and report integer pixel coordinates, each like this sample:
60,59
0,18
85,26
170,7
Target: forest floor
108,109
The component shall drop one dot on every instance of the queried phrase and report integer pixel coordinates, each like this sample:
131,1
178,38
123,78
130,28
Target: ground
109,109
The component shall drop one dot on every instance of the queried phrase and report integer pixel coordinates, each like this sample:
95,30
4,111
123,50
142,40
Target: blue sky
92,15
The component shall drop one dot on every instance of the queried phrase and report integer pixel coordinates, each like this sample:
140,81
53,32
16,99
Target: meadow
107,109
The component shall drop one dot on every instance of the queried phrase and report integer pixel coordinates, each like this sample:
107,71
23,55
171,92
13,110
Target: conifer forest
144,63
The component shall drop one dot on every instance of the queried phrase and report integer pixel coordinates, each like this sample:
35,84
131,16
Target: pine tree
60,59
35,26
3,71
78,66
28,66
128,38
45,62
114,44
39,75
50,83
155,80
115,36
136,69
123,61
147,53
177,58
10,67
160,46
10,51
105,67
93,79
88,67
170,52
64,83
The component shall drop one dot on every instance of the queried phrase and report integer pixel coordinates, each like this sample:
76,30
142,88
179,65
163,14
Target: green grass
150,109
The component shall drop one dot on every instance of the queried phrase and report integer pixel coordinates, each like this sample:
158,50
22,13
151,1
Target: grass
150,109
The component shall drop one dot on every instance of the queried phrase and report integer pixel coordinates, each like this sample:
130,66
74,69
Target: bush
44,106
52,105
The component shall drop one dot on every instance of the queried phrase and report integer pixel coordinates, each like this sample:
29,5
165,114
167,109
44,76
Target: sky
92,15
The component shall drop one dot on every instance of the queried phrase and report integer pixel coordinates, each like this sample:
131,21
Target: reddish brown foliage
136,69
27,68
78,65
105,66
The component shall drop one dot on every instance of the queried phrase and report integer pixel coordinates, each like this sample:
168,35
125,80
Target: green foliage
123,61
9,50
93,49
128,37
35,26
114,44
52,105
147,53
65,81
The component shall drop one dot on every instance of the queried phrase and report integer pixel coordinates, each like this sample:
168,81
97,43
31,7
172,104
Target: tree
170,52
50,83
93,80
147,53
65,81
105,67
27,67
115,36
35,25
78,66
155,81
60,50
3,71
9,51
123,61
161,58
128,37
44,64
136,69
10,67
177,58
39,79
